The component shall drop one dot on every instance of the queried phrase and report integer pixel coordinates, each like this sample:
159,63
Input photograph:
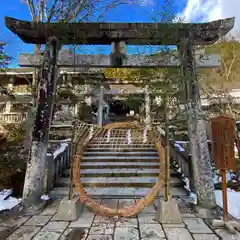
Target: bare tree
220,101
217,83
70,10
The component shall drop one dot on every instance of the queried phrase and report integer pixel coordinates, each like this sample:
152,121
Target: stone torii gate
183,35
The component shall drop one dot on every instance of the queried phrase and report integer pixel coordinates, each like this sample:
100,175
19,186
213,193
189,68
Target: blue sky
191,10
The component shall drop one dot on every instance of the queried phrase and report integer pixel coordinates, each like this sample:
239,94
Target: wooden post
100,106
70,193
10,89
147,107
167,152
224,195
47,88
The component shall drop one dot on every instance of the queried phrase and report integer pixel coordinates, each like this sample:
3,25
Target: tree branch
230,67
52,10
32,10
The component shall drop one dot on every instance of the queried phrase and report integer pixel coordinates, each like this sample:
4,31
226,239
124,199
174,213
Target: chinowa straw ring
140,204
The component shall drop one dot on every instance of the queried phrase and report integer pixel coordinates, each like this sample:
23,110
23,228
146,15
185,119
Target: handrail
184,164
56,163
182,160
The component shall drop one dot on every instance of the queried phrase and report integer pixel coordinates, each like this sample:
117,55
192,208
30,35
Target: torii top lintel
131,33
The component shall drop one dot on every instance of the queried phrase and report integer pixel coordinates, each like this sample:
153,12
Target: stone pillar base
69,210
231,226
168,212
30,208
204,212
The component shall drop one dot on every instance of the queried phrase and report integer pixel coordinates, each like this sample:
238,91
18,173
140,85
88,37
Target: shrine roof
131,33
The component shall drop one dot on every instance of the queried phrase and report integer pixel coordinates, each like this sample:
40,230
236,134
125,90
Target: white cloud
210,10
145,3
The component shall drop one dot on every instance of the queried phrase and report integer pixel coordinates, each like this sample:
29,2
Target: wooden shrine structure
184,36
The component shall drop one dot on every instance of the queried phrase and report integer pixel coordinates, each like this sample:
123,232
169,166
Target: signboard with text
223,138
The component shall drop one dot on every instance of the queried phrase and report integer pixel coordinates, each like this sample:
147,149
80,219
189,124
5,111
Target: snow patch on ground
60,150
193,198
187,184
5,193
45,197
179,170
215,179
233,202
7,202
180,148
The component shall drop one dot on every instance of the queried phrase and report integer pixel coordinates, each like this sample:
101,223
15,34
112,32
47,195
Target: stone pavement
44,226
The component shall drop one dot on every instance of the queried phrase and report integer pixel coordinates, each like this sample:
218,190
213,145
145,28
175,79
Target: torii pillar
33,183
200,157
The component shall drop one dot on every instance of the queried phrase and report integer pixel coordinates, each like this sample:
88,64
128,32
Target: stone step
120,158
121,153
121,144
120,137
108,171
120,182
135,165
125,172
118,192
98,148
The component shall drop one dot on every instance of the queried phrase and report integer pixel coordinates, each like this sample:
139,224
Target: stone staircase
126,171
